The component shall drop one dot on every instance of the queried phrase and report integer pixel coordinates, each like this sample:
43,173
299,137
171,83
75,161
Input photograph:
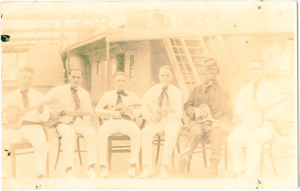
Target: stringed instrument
122,108
160,112
253,119
14,109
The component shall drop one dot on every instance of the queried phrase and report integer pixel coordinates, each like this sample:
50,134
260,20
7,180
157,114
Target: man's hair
120,73
27,69
260,61
166,67
76,69
210,59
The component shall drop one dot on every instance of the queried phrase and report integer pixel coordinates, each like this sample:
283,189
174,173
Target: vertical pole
107,52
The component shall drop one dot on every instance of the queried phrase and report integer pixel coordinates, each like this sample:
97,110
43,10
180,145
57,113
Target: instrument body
14,109
253,119
160,112
122,108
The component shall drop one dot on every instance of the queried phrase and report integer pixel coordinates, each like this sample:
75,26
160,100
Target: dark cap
209,61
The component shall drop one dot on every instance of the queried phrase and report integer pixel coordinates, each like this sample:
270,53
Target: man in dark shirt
218,100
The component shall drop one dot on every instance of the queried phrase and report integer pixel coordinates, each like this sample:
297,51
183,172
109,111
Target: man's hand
54,114
116,115
198,113
11,117
40,108
153,119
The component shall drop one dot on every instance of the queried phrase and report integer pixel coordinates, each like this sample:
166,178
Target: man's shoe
70,175
163,173
104,173
92,174
131,172
147,172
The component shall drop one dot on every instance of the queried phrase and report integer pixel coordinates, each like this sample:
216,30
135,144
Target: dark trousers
200,132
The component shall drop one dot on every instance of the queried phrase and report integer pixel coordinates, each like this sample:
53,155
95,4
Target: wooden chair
121,148
159,141
203,146
14,151
267,151
78,137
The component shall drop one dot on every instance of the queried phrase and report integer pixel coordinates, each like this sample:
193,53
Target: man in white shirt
162,108
30,129
71,97
117,103
256,95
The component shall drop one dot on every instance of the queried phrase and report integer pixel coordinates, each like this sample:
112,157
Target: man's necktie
25,98
119,98
208,86
76,98
254,98
164,93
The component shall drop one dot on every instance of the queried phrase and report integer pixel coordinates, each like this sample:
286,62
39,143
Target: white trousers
119,126
253,140
68,133
35,135
171,130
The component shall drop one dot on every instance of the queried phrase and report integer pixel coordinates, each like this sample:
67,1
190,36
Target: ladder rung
198,56
195,48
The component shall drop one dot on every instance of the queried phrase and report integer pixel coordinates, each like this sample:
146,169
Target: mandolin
253,119
20,113
160,112
125,112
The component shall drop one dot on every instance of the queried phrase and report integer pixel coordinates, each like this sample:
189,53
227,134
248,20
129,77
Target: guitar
20,112
122,108
160,112
253,119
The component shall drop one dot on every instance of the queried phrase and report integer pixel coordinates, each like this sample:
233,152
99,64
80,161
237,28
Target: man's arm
101,104
228,110
189,104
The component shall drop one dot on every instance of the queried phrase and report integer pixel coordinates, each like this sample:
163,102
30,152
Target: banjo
253,119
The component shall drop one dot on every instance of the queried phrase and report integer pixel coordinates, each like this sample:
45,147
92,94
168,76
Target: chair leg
58,153
13,163
78,150
262,161
272,161
204,155
188,168
109,153
158,148
226,156
140,159
47,166
173,162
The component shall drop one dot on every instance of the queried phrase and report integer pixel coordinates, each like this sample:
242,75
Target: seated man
72,97
256,95
162,108
119,104
30,129
218,100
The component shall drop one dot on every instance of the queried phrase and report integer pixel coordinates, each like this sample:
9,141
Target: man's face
165,77
25,80
75,78
120,82
211,72
257,71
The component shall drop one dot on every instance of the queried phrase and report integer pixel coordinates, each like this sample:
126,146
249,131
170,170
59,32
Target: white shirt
152,95
35,97
64,96
266,94
110,98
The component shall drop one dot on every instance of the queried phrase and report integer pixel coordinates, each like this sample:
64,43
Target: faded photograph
149,95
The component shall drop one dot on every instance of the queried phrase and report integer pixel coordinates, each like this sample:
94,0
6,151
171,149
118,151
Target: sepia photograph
149,95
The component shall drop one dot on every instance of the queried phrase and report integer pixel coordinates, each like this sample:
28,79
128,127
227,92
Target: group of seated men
162,109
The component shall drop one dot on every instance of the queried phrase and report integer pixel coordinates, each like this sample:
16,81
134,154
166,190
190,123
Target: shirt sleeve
45,115
145,102
189,105
277,111
228,110
101,104
136,100
241,103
